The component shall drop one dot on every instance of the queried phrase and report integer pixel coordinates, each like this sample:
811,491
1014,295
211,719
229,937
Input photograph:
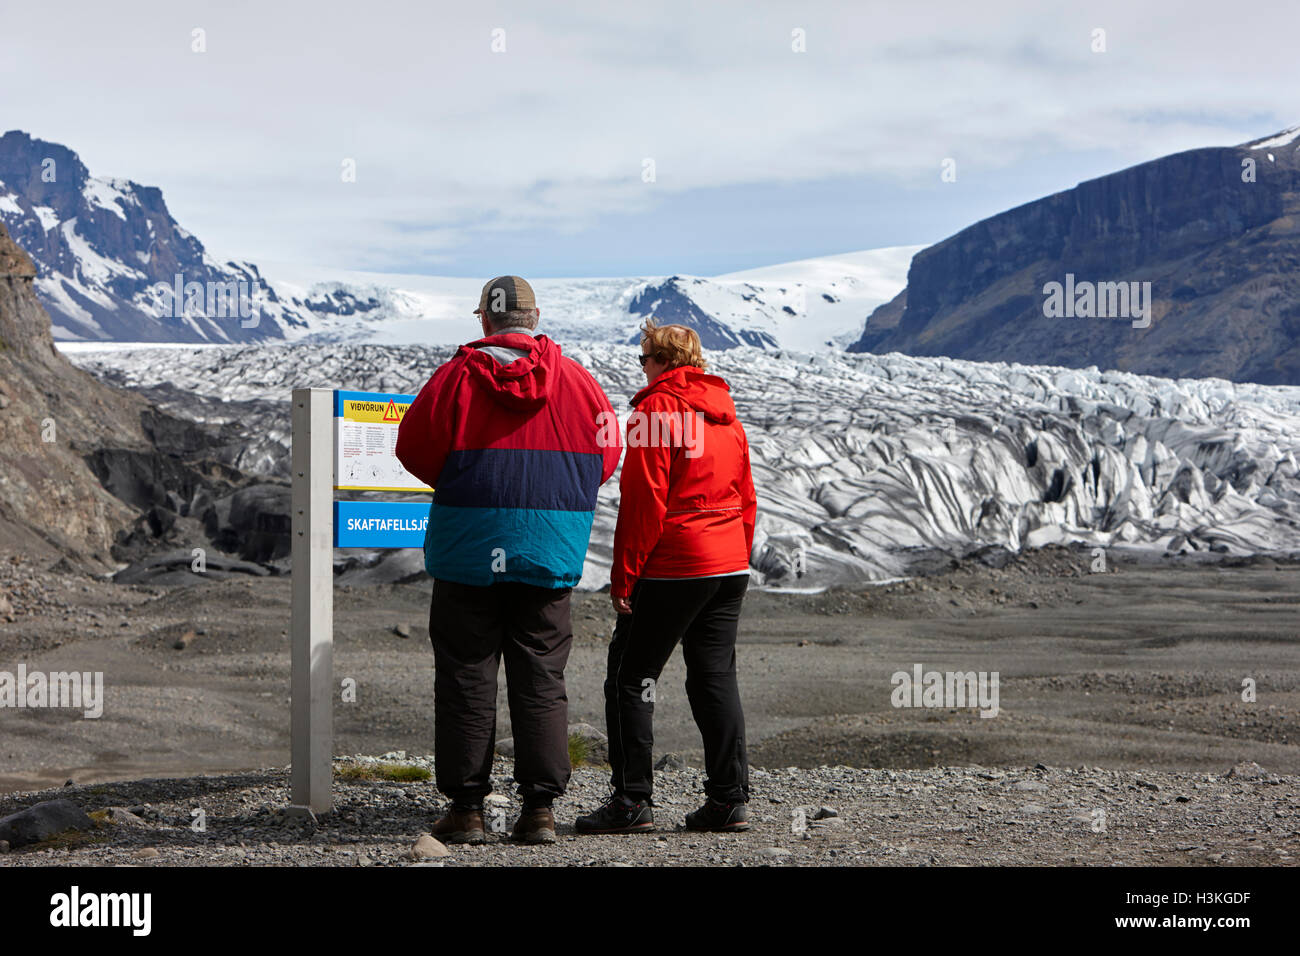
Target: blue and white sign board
365,442
380,524
365,459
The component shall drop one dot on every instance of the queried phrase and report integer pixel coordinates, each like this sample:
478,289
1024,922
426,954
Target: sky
609,139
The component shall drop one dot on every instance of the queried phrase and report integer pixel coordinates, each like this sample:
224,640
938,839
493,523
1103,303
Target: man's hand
621,605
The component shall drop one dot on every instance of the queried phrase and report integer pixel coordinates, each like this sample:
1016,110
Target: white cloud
452,141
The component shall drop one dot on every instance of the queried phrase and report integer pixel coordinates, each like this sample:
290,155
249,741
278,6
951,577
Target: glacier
868,467
805,305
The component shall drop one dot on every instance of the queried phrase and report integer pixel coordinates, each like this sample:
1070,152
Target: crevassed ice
866,464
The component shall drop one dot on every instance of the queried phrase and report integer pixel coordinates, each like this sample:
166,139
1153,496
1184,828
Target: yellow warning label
391,411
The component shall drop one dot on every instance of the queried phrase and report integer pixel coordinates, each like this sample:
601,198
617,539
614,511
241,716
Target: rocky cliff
51,416
87,471
1216,233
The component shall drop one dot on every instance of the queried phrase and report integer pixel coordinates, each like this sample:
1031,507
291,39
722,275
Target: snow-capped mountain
803,305
111,261
870,466
114,266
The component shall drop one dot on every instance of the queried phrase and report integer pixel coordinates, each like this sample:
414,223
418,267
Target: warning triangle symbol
390,413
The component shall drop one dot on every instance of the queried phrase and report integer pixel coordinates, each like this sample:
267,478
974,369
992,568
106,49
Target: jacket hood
521,385
707,394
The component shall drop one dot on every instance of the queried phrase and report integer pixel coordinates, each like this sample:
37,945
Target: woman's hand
621,605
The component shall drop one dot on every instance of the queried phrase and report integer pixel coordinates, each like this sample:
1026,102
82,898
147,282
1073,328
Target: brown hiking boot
460,826
535,826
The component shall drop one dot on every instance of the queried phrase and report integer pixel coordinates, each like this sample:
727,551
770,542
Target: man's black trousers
702,613
471,629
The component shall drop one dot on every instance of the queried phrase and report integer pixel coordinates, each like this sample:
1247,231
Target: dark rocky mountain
106,249
1216,233
671,303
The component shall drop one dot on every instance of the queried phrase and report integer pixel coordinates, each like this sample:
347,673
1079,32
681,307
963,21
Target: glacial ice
869,466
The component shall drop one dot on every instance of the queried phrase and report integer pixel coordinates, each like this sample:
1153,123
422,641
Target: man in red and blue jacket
511,435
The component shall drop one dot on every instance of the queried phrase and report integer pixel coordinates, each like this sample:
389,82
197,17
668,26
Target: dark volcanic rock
259,522
177,567
144,478
253,522
1222,255
42,821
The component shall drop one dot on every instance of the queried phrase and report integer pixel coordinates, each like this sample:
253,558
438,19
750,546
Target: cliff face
1221,249
99,474
51,416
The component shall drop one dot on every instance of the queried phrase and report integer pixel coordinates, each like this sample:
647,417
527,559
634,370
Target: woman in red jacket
680,571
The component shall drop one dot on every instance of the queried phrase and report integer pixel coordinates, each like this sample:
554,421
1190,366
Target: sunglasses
644,357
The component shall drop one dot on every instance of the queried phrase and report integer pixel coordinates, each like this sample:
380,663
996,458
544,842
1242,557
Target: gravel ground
1137,673
963,816
1141,667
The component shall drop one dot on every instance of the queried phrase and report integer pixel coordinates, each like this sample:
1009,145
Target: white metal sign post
312,607
345,440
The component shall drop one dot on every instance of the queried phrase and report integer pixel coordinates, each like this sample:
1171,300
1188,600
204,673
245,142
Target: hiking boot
618,815
461,825
715,817
534,826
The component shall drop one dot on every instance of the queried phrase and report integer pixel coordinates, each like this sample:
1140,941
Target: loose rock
42,821
428,848
597,743
1247,770
671,762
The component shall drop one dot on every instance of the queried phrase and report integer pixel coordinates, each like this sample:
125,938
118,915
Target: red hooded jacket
516,451
688,504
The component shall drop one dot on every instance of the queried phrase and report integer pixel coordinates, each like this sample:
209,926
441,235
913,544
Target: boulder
427,848
1247,770
597,743
42,821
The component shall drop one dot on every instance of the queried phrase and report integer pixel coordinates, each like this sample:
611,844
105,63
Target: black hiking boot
618,815
715,817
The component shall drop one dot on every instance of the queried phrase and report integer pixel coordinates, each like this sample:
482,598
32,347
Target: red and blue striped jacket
515,452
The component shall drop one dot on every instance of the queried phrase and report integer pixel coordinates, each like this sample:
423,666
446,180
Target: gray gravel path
944,816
